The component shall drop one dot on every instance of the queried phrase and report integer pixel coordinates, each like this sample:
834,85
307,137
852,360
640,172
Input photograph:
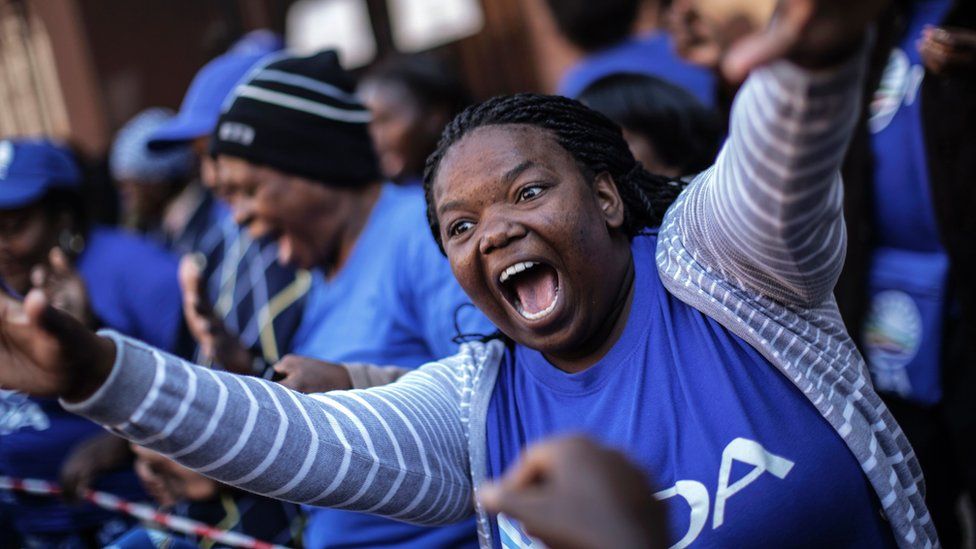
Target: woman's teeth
515,269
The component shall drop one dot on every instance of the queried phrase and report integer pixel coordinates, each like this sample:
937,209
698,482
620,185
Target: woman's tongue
536,289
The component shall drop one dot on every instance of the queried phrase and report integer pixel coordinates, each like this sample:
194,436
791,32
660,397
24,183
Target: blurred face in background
26,237
144,203
704,30
404,132
309,220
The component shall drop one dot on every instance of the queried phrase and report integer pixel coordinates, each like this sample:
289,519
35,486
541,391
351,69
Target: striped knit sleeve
398,451
768,214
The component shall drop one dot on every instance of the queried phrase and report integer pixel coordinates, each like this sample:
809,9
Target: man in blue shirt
254,297
604,31
295,158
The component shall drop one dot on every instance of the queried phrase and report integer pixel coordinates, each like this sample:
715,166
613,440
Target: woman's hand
169,482
947,50
99,454
64,287
206,328
307,375
570,492
199,315
46,352
812,33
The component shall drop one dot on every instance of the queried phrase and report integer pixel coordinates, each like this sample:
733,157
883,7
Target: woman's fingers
38,276
189,273
60,264
775,42
36,304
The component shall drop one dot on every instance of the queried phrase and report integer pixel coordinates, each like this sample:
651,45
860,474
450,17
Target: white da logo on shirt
694,493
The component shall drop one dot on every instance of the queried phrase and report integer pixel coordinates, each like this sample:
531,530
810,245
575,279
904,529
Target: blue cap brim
180,130
22,191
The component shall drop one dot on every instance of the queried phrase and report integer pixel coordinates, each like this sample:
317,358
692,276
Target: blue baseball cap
203,101
130,158
260,41
29,168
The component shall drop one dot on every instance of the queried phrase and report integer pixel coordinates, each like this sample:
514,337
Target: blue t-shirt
651,54
394,302
744,458
909,268
133,288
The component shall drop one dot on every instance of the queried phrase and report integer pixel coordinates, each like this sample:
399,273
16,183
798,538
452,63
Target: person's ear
609,201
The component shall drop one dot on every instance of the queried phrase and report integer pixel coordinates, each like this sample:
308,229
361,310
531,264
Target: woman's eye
459,228
529,192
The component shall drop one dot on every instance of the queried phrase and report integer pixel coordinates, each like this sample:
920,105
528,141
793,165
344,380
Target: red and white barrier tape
140,511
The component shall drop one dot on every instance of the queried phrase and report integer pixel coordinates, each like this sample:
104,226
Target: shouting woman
694,330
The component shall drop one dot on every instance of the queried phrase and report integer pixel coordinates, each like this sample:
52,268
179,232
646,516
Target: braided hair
596,143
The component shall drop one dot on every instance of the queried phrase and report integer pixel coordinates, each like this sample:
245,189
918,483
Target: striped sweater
756,243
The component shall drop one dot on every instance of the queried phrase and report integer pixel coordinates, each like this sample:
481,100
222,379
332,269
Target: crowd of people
717,292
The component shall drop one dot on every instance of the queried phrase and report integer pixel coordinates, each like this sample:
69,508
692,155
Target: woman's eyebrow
453,204
512,174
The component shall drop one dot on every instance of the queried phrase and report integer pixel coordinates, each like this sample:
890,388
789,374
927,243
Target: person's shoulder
129,253
405,201
472,360
645,242
405,212
634,54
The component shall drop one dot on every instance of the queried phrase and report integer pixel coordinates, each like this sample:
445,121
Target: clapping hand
205,326
572,493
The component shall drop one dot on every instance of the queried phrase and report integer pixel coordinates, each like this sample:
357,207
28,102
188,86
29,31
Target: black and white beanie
299,115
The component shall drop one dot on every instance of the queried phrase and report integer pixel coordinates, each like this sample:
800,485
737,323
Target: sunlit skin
402,131
315,224
26,237
510,193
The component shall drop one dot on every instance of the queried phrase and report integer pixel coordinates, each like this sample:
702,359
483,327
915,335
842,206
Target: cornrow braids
596,143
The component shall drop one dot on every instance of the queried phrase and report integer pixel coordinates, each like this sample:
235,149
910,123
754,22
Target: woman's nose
500,234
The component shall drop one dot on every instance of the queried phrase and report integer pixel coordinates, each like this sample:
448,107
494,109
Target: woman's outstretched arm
398,451
768,214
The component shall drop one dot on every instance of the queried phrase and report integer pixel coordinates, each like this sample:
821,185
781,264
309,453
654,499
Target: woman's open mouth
532,288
